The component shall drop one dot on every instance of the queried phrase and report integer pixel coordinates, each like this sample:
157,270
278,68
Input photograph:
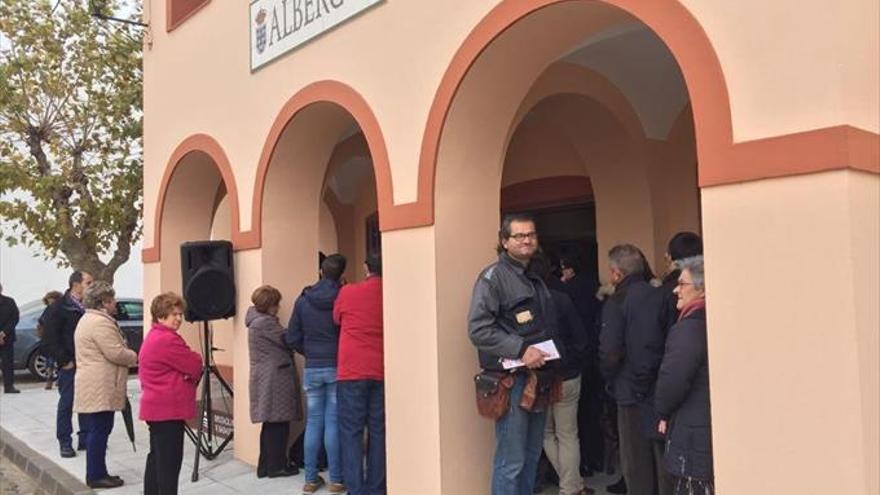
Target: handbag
542,390
493,393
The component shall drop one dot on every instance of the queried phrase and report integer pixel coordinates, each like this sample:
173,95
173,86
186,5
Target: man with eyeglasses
511,310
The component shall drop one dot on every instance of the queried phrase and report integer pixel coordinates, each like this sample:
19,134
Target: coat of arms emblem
260,30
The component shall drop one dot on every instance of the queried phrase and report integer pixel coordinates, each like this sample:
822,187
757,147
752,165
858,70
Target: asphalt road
14,481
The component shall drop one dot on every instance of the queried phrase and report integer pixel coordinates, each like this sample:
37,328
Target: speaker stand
203,437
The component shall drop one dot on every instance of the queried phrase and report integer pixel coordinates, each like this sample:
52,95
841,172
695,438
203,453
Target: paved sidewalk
30,417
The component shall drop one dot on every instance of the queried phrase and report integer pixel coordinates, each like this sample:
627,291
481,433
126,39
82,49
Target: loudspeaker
208,280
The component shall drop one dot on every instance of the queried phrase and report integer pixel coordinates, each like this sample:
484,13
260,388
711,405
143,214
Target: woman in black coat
682,396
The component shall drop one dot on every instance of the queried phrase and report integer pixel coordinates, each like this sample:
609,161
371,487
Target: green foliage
70,133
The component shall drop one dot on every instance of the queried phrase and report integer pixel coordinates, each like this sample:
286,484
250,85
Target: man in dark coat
8,321
682,245
582,287
631,345
59,323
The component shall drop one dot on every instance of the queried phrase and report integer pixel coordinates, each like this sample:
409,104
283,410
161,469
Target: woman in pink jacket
169,372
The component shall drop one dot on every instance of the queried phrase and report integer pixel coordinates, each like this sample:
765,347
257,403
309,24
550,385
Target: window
178,11
130,310
374,237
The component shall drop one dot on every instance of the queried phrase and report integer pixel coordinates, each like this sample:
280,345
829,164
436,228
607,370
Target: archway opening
582,106
319,198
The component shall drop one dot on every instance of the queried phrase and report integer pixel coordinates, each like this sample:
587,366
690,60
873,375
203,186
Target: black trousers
590,408
165,457
273,448
6,355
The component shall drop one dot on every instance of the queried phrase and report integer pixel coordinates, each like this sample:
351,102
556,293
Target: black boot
617,488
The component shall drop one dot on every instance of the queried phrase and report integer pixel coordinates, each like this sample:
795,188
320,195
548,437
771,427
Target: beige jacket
102,362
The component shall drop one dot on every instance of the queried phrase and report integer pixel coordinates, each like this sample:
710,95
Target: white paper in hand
547,347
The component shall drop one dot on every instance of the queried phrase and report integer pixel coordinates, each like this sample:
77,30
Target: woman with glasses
682,397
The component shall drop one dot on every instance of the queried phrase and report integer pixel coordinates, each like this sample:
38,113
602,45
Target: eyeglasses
521,236
682,284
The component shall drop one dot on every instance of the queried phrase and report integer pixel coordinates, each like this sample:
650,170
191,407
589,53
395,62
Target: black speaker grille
210,293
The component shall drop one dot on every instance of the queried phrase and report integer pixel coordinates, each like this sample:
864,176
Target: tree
71,162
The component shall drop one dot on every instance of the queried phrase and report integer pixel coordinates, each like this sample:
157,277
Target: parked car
29,350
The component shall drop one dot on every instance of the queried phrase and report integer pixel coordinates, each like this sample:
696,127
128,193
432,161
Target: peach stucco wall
791,266
789,66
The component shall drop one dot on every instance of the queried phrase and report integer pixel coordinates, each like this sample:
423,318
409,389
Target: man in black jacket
511,310
682,245
8,321
59,323
631,345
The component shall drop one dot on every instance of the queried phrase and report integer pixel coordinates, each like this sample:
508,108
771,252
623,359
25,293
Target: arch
567,78
670,20
197,143
347,98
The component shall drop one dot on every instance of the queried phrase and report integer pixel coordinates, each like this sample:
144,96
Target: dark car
29,350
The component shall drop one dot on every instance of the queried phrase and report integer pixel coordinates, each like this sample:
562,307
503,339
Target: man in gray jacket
511,309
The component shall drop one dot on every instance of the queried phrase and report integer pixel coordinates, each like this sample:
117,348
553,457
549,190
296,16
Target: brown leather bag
493,393
542,390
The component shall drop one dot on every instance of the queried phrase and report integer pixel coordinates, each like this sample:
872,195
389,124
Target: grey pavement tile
206,487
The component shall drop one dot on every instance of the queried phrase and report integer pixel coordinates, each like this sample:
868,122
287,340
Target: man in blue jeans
313,333
59,323
511,309
360,390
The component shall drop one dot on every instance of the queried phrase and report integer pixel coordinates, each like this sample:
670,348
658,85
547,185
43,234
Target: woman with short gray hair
102,360
682,394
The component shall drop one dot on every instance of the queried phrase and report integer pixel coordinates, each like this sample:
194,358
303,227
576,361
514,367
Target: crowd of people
336,327
580,371
569,369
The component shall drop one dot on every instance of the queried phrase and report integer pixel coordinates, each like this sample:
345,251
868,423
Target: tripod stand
203,437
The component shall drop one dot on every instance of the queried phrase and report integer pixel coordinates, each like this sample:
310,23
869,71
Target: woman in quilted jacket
102,361
275,394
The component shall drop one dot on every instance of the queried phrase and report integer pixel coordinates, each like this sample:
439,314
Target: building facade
407,127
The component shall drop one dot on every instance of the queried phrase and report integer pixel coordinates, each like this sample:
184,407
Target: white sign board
278,26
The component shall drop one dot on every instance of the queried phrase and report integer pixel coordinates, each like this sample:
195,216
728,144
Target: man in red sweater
360,386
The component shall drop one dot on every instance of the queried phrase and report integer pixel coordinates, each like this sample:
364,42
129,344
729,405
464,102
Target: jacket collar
518,267
101,314
672,277
629,280
73,303
159,326
694,309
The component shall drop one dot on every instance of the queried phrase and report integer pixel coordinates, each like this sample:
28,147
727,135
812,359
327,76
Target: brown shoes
314,486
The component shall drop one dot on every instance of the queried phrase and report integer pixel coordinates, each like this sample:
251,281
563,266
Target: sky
26,277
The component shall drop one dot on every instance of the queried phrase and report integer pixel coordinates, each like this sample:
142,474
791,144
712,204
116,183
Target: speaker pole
204,440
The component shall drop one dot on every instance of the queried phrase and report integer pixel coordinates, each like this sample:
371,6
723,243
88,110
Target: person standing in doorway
275,397
511,310
169,372
59,323
8,321
631,346
360,387
561,442
683,387
313,333
682,245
